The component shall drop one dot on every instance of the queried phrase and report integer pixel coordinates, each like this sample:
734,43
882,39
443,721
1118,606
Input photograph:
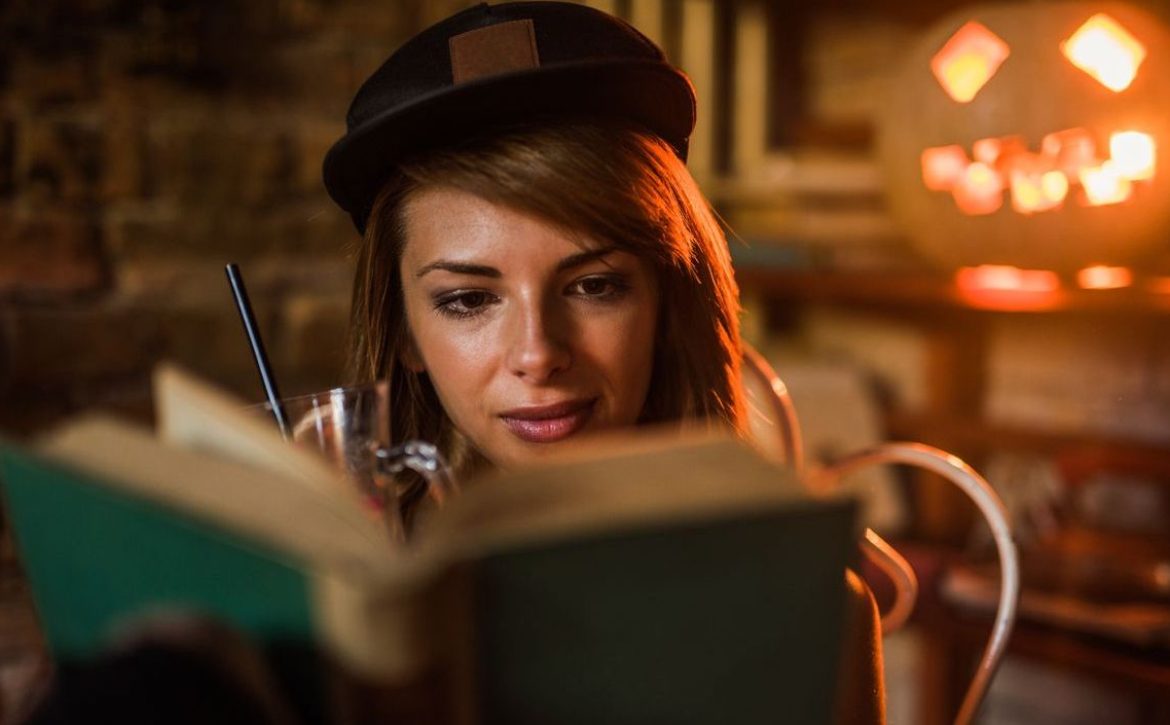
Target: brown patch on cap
496,49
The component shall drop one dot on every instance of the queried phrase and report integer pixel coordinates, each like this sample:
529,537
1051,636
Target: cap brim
648,93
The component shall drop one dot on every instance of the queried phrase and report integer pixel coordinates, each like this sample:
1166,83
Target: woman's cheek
459,362
468,343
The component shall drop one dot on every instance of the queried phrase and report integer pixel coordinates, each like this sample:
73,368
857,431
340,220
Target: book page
197,416
616,482
315,525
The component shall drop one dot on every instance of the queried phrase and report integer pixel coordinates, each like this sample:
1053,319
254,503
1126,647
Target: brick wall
142,146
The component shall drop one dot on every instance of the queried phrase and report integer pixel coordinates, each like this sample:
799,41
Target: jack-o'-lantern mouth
1070,163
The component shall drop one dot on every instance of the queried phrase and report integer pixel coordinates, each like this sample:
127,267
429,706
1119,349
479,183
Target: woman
496,347
536,262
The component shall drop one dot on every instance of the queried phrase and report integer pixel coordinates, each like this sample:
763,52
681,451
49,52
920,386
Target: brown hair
612,183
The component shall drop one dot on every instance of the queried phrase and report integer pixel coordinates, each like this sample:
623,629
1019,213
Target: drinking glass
350,427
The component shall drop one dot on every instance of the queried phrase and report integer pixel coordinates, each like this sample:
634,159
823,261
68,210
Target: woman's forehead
454,224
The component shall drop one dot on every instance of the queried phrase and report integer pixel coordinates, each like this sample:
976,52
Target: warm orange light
1033,192
1040,181
1026,197
979,190
1158,285
942,166
1106,51
968,60
1007,277
987,150
1051,144
1105,185
1071,150
1133,153
1054,186
1100,276
1004,287
1012,152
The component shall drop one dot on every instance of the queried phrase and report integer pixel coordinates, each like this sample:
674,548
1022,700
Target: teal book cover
95,558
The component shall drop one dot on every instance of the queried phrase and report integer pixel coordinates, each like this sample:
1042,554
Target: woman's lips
548,423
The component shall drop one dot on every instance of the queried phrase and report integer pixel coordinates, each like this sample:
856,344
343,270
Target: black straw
253,333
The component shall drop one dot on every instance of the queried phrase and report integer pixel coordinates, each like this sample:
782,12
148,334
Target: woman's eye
599,287
463,304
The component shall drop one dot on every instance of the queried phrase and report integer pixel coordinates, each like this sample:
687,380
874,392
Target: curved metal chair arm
983,495
893,565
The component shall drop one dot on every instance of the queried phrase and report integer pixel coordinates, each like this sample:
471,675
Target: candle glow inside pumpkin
1069,162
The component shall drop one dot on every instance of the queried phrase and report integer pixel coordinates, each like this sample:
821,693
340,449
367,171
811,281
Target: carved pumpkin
1033,135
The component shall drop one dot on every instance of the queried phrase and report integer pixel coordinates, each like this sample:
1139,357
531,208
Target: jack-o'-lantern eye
968,60
1106,51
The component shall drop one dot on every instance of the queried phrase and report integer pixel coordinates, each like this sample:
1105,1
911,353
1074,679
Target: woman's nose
539,348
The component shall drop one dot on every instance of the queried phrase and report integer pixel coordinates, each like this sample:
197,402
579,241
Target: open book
662,577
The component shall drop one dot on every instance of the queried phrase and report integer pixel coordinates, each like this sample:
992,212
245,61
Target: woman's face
529,335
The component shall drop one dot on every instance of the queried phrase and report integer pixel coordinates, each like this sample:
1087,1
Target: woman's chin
519,453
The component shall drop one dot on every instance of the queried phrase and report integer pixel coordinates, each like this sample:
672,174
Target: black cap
496,65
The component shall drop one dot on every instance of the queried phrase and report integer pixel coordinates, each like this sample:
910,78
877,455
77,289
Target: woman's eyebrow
479,270
576,260
483,270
